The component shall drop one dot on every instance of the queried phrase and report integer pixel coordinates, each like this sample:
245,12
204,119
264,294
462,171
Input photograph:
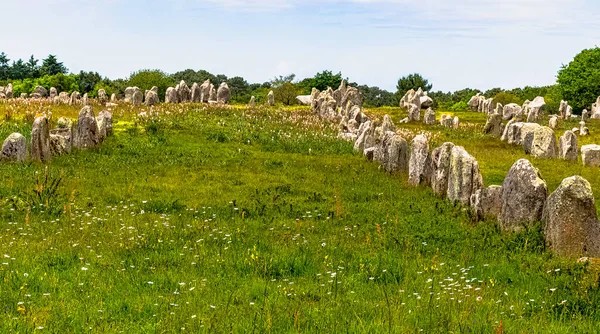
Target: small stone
590,155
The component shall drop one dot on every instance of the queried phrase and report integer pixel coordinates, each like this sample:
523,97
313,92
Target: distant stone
446,121
359,145
102,96
585,115
74,100
419,167
303,99
183,92
493,126
86,135
8,91
40,140
568,147
151,98
59,144
455,123
271,98
562,109
414,113
510,110
213,93
590,154
251,104
571,225
544,143
14,148
205,91
105,127
486,203
464,178
583,130
53,93
85,100
137,96
129,94
41,91
392,153
525,136
429,117
440,158
195,93
23,95
171,96
113,98
351,98
524,194
553,123
426,102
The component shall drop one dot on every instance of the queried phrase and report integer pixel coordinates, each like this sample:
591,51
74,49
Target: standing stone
429,117
510,110
152,97
464,178
446,121
562,109
8,91
104,121
569,112
590,155
441,168
75,96
455,123
14,148
171,96
526,136
102,96
486,203
205,91
183,92
350,99
251,104
583,130
571,225
493,126
59,144
196,93
87,129
129,94
474,102
53,93
568,147
553,123
41,91
585,115
40,140
213,93
534,109
85,100
64,97
113,98
524,193
137,96
271,98
414,113
544,143
223,93
359,144
339,93
419,167
426,101
397,154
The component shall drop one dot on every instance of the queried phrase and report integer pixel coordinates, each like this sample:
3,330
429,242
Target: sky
453,43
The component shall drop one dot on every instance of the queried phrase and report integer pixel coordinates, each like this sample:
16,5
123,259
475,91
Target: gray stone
392,153
85,100
526,135
53,93
524,193
102,96
40,140
87,134
14,148
464,177
196,93
205,89
129,94
544,143
446,121
486,203
474,102
568,147
59,144
137,97
493,126
429,117
151,97
171,96
440,158
414,113
419,167
553,123
184,93
590,155
303,99
105,126
510,110
571,226
74,99
426,102
359,145
585,115
251,104
113,98
351,98
213,93
271,98
41,91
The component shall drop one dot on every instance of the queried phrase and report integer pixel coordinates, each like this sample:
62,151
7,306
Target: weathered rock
251,104
303,99
129,94
113,98
213,93
102,96
562,109
569,112
74,99
35,96
87,134
85,100
151,97
41,91
40,140
525,136
350,99
493,126
486,203
407,98
544,143
446,121
195,93
583,130
104,121
23,96
64,97
571,225
585,115
440,158
595,109
8,91
14,148
414,113
464,177
171,96
53,93
568,147
510,110
184,93
534,109
455,123
553,123
271,98
474,102
59,144
392,153
426,102
419,167
359,145
205,91
137,96
339,93
590,155
524,193
429,117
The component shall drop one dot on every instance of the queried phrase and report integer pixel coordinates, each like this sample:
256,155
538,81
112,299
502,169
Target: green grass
230,220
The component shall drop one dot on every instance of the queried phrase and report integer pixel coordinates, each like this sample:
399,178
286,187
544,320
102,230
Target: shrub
579,81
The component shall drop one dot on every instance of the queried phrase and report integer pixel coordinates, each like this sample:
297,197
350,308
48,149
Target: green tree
506,98
282,79
579,81
239,89
286,93
18,70
88,81
190,76
412,81
51,66
374,97
146,79
4,66
33,70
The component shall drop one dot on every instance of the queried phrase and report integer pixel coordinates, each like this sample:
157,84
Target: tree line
577,82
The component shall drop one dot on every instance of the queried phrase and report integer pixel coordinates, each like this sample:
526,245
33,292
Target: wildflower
479,298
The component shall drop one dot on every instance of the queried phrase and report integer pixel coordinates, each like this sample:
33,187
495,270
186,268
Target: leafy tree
281,80
286,93
33,70
506,98
146,79
60,81
375,97
219,79
4,66
190,76
87,81
579,81
51,66
239,89
412,81
492,92
18,70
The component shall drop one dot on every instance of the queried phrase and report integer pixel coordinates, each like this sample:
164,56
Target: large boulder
534,109
568,148
339,93
440,159
102,96
8,91
14,148
54,93
474,102
74,98
213,93
571,225
392,153
524,193
486,203
359,144
419,166
171,96
196,93
205,91
464,177
59,144
105,127
87,134
429,117
128,94
351,98
251,104
510,110
414,112
137,97
446,121
493,126
152,97
40,140
271,98
41,91
426,102
184,93
303,99
544,143
590,155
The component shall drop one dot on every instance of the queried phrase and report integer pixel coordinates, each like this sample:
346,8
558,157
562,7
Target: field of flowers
199,219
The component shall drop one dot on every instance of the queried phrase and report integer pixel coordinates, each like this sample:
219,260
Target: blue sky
455,44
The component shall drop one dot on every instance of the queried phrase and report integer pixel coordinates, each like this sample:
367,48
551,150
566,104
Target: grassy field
197,219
